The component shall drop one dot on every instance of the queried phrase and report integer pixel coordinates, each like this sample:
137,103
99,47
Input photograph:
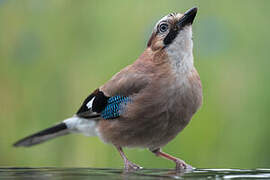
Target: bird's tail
44,135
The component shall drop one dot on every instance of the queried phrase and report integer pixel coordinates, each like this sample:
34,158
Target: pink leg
180,164
128,165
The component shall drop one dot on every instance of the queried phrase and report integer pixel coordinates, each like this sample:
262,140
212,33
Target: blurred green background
54,53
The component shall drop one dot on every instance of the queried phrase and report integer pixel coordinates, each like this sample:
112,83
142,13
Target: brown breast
157,114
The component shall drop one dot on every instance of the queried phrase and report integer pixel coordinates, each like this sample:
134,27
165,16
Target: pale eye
163,27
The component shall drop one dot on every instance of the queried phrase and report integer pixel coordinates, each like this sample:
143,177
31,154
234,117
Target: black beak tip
190,14
191,11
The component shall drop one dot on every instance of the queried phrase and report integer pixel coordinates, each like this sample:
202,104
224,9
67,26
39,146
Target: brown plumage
161,106
147,103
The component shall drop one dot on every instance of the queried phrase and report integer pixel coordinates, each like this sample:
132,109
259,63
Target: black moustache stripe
171,36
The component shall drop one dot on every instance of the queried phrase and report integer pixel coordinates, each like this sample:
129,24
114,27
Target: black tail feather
42,136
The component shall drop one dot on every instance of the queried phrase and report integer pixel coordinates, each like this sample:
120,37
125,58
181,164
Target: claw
129,166
181,165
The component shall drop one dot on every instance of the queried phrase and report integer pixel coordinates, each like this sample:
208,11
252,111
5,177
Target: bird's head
173,32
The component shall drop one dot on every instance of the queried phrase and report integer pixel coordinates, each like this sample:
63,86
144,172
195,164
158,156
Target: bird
147,103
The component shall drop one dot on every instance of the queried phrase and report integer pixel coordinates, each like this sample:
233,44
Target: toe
131,166
181,165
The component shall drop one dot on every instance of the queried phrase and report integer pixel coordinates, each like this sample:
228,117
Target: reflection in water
148,174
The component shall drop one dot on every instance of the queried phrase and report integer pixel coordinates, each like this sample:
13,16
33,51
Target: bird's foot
129,166
181,165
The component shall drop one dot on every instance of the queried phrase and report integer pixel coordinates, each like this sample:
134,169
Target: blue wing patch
115,107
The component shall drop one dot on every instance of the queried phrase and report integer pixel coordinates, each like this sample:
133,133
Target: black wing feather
98,105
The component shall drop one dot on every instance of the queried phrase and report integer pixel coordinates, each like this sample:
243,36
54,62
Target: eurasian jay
147,103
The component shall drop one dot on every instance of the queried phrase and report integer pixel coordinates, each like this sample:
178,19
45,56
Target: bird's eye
163,27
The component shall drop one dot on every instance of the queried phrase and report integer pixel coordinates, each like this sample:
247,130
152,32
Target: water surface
147,174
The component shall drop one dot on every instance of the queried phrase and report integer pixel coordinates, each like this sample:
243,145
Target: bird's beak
187,18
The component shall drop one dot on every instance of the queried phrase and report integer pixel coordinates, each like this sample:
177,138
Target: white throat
180,52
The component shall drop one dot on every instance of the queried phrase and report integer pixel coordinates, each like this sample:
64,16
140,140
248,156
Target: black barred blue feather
97,104
115,107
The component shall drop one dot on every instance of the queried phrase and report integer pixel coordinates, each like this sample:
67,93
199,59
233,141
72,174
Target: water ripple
147,174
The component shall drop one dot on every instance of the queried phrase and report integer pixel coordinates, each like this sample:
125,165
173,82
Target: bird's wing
116,91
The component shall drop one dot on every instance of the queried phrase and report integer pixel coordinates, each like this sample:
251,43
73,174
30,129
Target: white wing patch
90,103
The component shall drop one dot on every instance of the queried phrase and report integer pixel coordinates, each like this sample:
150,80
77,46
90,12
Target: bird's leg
128,165
180,164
